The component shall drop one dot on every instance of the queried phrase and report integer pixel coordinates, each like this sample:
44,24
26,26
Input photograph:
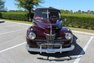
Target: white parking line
20,23
10,32
12,47
84,49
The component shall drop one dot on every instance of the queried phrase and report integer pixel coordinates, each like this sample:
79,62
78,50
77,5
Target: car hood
44,24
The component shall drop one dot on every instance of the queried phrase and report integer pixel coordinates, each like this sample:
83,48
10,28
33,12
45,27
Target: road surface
12,47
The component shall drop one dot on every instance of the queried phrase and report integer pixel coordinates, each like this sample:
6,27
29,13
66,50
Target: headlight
32,35
68,36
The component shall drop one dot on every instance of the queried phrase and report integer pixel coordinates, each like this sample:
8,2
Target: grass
14,12
79,15
77,29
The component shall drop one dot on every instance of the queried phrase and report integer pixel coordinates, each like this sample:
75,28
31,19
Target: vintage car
47,35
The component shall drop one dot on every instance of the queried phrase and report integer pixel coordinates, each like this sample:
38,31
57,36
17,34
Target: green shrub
79,20
73,20
15,16
0,15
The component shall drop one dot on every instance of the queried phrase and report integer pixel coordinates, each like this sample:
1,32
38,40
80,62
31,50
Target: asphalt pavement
13,50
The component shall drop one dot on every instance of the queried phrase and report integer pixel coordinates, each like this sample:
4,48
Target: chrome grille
50,37
51,45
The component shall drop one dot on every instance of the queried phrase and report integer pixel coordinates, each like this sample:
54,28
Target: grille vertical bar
50,37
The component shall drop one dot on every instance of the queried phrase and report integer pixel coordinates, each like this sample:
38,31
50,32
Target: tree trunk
29,15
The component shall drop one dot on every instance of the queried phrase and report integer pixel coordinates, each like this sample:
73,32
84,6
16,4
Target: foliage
14,15
85,21
1,5
77,12
0,15
79,20
16,10
28,5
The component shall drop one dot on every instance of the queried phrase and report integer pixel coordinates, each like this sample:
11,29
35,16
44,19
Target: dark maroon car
47,33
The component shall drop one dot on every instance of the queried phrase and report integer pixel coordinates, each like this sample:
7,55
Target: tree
79,11
51,7
67,11
28,5
2,5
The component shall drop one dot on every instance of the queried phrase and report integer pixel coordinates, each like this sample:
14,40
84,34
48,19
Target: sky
74,5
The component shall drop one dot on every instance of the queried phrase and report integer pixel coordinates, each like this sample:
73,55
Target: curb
83,32
72,30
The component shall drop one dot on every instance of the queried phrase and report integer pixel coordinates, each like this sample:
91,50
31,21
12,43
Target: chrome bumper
50,50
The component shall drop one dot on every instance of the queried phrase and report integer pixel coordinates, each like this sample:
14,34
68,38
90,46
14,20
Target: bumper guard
50,50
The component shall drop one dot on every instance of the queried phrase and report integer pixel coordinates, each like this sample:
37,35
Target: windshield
43,18
41,13
44,14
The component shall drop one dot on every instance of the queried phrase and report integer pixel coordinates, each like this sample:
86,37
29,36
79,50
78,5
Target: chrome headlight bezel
68,36
32,35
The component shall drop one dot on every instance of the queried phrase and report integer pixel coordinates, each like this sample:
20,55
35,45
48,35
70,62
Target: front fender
65,30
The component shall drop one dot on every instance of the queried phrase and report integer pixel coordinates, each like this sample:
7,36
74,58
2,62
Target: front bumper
50,50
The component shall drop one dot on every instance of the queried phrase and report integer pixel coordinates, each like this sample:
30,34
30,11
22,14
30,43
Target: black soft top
49,9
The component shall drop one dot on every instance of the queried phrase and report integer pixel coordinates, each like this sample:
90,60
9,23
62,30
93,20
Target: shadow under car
64,55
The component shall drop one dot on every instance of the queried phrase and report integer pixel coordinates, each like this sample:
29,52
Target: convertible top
49,9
